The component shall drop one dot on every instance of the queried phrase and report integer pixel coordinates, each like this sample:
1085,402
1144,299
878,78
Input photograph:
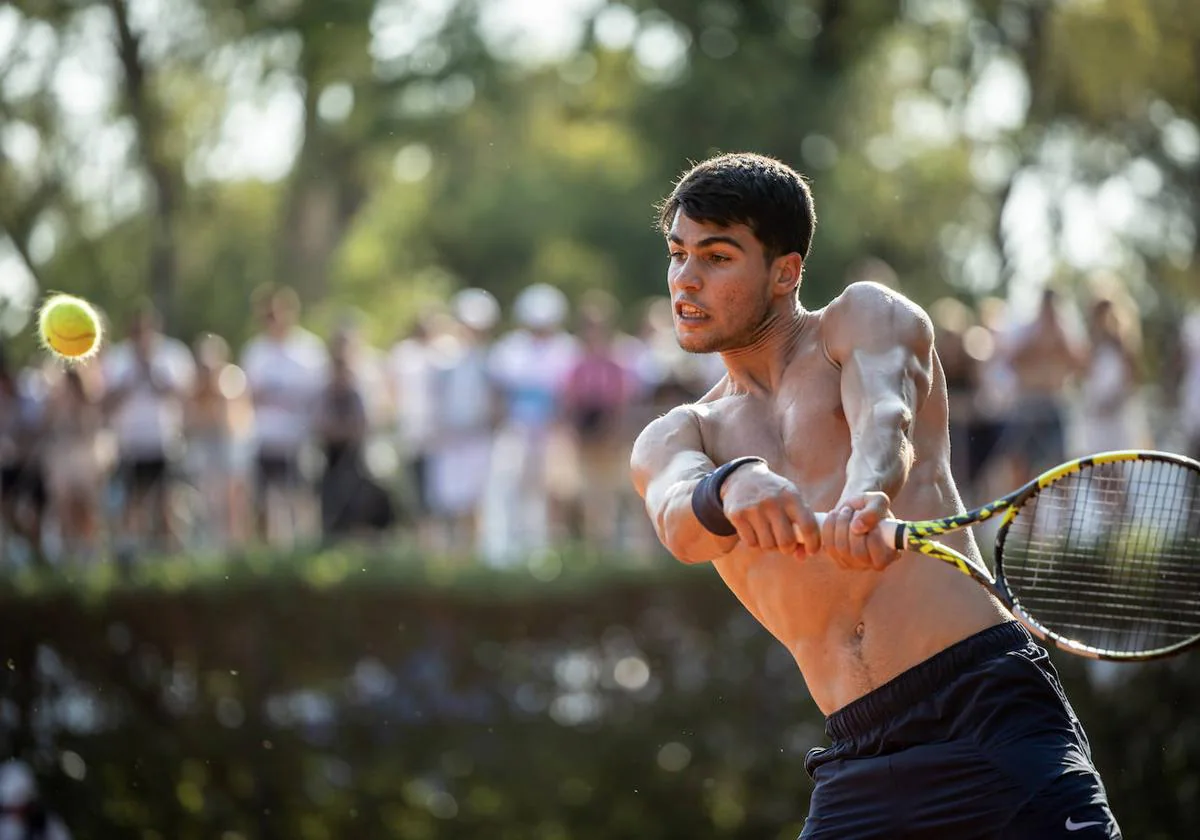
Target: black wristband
706,498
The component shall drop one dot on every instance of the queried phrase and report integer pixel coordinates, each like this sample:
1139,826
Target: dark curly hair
766,195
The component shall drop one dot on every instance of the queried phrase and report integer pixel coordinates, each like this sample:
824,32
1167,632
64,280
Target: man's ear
788,270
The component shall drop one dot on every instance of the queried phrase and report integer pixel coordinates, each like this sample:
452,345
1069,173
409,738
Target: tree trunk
324,195
162,263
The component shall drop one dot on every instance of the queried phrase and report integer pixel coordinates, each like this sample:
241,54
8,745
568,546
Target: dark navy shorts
979,741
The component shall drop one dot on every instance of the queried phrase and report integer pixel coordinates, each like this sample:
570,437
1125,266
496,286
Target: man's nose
688,276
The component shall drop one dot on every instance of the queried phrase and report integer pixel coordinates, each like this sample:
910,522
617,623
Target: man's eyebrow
709,241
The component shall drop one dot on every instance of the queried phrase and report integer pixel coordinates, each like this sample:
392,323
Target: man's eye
677,255
718,258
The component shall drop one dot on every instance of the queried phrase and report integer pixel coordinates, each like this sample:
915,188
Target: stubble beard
699,345
721,343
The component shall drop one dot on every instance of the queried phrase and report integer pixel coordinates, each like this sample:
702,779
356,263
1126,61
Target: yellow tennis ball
70,327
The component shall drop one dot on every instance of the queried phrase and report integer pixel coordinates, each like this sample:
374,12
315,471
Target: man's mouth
687,312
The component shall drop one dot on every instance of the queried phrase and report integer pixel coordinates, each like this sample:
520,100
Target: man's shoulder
675,431
867,313
867,298
685,418
689,417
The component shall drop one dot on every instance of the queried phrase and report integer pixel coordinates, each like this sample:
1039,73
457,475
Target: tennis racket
1100,555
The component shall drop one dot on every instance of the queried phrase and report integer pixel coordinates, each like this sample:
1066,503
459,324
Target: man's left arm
884,345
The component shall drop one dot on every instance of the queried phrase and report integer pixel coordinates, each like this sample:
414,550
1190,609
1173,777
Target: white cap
540,306
476,308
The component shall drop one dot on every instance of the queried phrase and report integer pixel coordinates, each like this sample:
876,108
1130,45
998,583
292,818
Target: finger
764,538
860,547
781,528
841,537
868,515
763,527
829,531
745,528
863,521
882,553
804,524
801,550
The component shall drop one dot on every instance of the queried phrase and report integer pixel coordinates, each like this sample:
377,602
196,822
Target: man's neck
758,366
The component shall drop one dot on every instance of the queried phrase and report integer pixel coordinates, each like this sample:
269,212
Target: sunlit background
336,537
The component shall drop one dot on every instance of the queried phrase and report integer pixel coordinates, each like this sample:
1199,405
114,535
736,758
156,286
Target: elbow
679,538
672,537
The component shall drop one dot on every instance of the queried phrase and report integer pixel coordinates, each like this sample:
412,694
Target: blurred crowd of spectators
1074,379
470,438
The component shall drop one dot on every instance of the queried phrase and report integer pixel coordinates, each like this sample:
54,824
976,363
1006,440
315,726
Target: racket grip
892,530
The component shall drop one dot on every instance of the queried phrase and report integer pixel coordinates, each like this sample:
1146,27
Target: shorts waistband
920,681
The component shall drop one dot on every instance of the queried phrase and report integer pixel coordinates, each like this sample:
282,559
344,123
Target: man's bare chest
801,431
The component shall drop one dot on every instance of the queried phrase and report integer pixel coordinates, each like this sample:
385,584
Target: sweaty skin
848,406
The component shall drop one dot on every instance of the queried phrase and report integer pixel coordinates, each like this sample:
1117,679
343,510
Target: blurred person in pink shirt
220,426
76,459
597,396
148,379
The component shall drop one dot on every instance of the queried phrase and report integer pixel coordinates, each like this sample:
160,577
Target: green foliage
446,164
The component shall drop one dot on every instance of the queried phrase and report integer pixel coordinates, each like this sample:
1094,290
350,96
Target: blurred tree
376,153
1065,161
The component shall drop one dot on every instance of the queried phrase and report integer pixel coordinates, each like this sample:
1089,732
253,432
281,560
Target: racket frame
918,536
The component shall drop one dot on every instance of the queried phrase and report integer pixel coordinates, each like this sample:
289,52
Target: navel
860,630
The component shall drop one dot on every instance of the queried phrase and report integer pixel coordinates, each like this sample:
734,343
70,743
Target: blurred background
336,537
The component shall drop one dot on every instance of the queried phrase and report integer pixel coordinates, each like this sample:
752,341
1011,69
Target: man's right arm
667,463
763,509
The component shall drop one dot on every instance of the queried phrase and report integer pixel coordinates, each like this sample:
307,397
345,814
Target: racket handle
892,530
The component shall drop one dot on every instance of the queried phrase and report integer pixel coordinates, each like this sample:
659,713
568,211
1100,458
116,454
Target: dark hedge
318,700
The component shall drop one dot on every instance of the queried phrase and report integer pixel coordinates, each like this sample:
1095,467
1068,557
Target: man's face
719,282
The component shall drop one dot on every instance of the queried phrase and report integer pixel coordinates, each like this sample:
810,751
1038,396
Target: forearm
678,529
667,464
881,453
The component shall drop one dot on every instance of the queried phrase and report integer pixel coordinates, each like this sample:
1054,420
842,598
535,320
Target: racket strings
1109,556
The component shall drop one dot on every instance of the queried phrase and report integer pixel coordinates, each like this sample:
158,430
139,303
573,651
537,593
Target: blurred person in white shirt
148,379
286,367
410,377
464,412
529,366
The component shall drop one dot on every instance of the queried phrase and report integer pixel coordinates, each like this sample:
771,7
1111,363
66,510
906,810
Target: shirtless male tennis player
946,719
